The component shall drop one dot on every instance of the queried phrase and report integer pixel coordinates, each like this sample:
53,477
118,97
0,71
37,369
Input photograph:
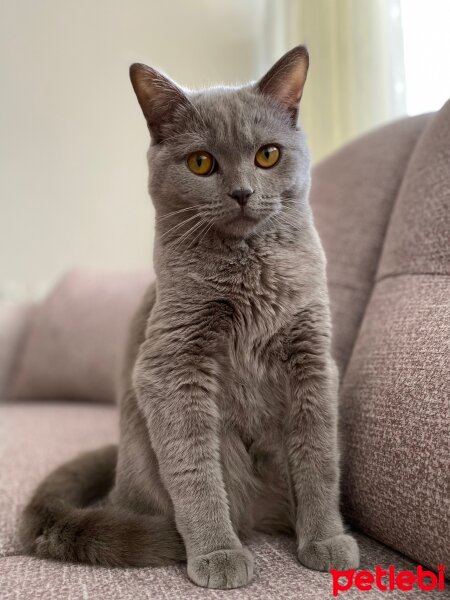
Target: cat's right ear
286,79
158,96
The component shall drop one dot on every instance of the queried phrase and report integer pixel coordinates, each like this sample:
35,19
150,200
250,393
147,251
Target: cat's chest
263,307
263,292
264,300
261,286
263,295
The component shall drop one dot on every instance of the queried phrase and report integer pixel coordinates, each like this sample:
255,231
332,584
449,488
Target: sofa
382,208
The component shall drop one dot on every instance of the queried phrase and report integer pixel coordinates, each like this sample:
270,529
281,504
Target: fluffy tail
58,522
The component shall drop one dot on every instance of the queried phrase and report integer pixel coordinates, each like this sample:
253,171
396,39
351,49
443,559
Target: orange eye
267,156
201,163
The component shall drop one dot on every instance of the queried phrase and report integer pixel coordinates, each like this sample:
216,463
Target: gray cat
229,399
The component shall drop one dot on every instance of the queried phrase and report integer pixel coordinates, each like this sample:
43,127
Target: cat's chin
240,226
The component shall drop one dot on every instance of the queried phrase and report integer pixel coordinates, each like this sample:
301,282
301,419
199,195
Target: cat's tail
58,522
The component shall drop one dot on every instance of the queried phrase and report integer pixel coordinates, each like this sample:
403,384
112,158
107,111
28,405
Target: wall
72,138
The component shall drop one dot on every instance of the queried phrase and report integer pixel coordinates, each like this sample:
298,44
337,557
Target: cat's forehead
236,116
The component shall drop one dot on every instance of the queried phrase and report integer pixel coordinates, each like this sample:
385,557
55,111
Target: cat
229,393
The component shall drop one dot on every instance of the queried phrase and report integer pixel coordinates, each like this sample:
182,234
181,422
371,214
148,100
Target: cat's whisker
265,230
179,240
289,210
285,216
184,237
176,212
179,225
198,229
282,219
201,233
276,218
211,223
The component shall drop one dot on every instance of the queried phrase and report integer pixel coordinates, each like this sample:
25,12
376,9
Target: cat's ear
158,96
286,79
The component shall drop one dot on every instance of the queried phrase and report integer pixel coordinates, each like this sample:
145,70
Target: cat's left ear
158,96
286,79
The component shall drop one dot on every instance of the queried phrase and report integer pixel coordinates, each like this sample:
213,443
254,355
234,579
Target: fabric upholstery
418,237
278,576
37,436
395,395
395,419
14,322
352,196
76,340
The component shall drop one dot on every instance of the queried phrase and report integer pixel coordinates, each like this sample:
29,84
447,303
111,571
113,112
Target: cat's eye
267,156
201,163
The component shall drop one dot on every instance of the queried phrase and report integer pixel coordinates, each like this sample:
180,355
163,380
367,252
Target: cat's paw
339,552
48,545
222,569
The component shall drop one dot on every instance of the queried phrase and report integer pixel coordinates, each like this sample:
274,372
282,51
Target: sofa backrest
382,206
353,195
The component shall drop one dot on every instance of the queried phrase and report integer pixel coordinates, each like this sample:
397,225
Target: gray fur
229,399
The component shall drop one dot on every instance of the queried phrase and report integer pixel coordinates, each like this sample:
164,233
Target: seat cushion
352,196
34,438
278,575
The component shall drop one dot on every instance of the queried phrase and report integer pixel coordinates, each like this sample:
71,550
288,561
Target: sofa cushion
76,339
15,320
395,395
353,193
35,437
395,419
278,576
418,237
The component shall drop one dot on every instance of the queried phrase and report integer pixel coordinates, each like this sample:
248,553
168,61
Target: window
426,49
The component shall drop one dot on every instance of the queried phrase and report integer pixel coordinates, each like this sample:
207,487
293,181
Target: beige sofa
382,207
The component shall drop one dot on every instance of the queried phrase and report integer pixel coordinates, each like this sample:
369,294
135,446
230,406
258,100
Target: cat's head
227,158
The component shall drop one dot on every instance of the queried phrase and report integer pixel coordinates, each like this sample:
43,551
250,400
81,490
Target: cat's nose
241,196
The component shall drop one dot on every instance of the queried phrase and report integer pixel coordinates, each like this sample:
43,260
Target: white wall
72,138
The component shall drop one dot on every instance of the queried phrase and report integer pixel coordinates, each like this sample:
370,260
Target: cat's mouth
242,222
244,215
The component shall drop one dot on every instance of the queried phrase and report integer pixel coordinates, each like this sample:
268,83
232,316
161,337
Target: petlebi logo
388,580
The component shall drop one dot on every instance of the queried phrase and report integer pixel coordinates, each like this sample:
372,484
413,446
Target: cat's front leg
311,445
176,382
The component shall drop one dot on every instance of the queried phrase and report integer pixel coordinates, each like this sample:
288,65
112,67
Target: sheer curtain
356,79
